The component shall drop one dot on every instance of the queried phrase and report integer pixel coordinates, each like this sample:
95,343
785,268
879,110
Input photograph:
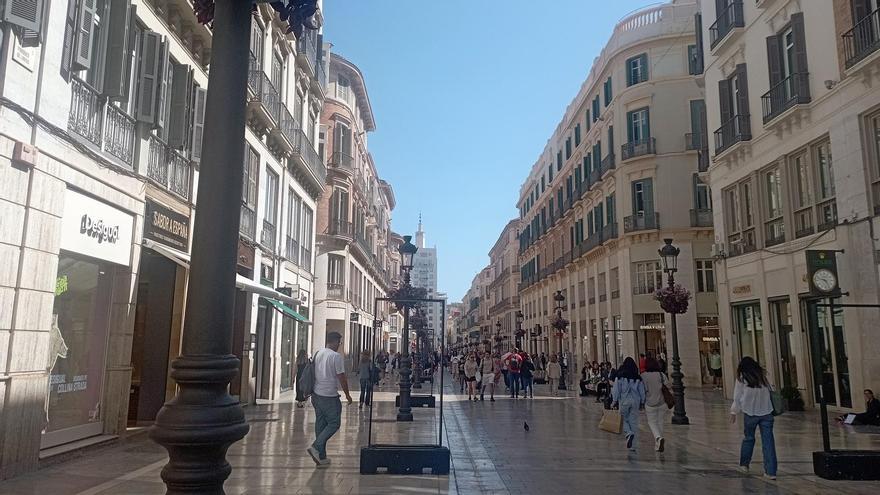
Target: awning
287,310
241,282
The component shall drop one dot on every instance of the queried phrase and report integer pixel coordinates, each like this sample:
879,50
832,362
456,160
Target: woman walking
751,397
655,405
488,371
628,393
470,376
302,359
365,374
554,373
527,373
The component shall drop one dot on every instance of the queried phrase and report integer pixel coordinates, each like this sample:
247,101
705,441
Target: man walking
329,376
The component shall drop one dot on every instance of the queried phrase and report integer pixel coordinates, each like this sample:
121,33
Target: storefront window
287,353
77,345
710,340
835,361
780,311
750,329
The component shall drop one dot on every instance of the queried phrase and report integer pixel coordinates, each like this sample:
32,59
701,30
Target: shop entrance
262,369
151,342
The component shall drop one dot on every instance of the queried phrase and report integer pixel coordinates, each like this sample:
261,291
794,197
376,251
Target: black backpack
307,381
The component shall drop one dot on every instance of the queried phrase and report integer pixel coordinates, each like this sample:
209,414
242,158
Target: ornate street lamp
560,324
519,330
407,251
498,336
418,323
673,299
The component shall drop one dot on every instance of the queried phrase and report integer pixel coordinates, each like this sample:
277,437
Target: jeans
656,417
768,444
527,386
506,378
328,417
366,388
514,383
629,411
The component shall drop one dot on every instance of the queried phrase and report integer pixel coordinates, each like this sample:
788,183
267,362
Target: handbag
777,401
668,398
612,421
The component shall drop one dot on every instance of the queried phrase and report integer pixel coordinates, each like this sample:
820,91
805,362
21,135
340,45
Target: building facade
799,172
424,275
97,200
357,251
609,187
503,289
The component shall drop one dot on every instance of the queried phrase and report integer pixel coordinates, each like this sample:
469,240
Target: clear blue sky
465,94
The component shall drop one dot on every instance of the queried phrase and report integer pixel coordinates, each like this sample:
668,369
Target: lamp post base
680,420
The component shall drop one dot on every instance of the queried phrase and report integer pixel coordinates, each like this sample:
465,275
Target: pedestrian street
563,452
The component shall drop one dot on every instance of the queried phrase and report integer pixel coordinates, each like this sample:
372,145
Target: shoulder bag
668,398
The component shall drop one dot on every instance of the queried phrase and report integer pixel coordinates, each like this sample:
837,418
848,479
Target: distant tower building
424,274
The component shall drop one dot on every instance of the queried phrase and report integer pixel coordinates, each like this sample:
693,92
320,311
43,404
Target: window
774,225
335,271
615,283
750,329
609,209
702,195
638,127
294,206
577,135
307,237
591,290
607,88
550,173
637,69
738,202
813,190
643,198
787,67
251,171
734,108
568,148
343,87
558,161
603,292
873,126
648,277
277,70
705,276
596,108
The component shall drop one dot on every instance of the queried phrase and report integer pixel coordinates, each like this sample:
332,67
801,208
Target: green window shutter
800,54
26,14
629,69
649,196
647,125
200,97
165,75
181,92
610,139
600,216
644,68
151,49
774,60
85,34
588,120
117,54
629,127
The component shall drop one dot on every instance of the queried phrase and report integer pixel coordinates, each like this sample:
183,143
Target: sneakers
491,399
323,463
770,477
629,440
743,469
661,444
313,453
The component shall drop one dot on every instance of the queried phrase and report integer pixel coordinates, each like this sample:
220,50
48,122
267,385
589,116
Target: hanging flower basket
520,333
673,299
560,324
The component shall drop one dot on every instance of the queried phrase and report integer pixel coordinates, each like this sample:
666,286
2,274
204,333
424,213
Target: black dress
299,395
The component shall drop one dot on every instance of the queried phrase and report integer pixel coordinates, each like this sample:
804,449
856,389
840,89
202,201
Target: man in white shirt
329,376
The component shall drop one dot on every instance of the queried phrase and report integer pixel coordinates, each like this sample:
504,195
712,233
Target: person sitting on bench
871,416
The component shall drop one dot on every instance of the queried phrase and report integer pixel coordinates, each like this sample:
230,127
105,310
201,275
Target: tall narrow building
424,274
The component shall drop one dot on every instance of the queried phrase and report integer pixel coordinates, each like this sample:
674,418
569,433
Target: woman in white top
751,397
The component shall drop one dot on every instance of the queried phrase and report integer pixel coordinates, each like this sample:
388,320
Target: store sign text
97,229
166,226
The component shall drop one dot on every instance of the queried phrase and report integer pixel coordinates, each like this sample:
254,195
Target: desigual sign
96,229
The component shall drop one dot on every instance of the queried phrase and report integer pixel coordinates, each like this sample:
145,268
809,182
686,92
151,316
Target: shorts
715,373
470,378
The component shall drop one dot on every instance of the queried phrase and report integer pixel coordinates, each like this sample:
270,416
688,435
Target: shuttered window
608,95
26,14
251,170
637,69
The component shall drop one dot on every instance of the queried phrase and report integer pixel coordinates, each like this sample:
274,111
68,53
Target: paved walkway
564,452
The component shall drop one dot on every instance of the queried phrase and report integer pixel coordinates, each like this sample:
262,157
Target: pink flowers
673,299
559,323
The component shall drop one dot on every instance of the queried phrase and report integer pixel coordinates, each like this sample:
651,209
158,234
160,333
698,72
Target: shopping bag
612,421
667,397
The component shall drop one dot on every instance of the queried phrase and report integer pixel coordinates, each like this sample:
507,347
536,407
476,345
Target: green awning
286,310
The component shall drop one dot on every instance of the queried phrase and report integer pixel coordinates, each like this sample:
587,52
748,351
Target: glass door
834,361
750,330
780,313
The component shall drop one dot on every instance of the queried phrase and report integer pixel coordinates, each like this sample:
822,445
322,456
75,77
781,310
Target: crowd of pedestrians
480,373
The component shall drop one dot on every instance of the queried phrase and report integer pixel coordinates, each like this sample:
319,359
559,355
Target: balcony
306,49
731,132
607,164
248,222
291,250
341,160
340,228
728,19
862,40
647,221
307,157
701,217
595,175
609,232
695,64
265,106
336,292
267,236
791,91
703,161
641,147
284,135
742,243
102,124
305,260
695,141
168,167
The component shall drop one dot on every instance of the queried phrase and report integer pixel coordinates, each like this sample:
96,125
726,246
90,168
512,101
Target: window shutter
648,189
85,34
742,83
859,10
26,14
724,100
647,129
644,68
198,127
635,205
70,32
162,86
181,92
800,56
629,70
116,62
698,31
629,127
610,139
151,46
774,62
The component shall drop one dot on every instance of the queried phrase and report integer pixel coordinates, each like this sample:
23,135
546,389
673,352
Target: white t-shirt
328,364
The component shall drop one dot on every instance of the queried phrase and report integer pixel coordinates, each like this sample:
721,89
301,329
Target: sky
465,94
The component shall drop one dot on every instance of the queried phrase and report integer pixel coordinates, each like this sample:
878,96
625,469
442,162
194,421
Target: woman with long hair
751,397
655,405
365,374
302,359
470,375
628,393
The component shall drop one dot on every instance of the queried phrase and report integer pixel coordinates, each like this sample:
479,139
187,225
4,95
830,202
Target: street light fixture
669,256
560,324
407,251
519,330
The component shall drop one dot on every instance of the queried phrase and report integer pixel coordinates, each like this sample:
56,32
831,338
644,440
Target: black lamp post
519,330
418,363
669,256
560,325
407,251
498,336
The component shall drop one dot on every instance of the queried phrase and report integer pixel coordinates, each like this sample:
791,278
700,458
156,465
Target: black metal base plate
418,401
405,459
852,465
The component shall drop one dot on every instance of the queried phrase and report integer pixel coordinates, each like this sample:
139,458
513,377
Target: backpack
513,366
307,380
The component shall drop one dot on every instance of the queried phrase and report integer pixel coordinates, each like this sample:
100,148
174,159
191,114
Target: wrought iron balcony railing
641,147
306,47
119,132
793,90
701,217
607,164
336,292
635,223
733,131
102,124
248,223
342,228
609,232
266,94
267,236
291,251
728,19
863,39
695,141
168,167
302,148
342,160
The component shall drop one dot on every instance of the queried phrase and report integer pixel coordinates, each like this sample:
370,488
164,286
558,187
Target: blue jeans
366,388
513,378
768,444
328,417
629,411
526,385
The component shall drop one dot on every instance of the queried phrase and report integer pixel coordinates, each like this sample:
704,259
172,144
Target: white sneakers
320,463
659,444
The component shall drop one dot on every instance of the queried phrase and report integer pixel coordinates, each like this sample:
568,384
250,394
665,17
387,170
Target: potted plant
673,299
792,398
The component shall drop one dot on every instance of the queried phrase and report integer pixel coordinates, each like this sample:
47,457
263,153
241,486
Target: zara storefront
92,295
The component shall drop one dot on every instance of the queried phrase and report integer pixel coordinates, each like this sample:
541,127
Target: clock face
824,280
